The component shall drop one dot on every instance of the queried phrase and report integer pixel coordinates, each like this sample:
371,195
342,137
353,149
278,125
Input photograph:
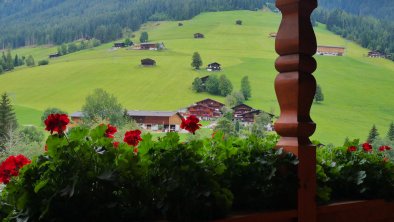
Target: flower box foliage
86,175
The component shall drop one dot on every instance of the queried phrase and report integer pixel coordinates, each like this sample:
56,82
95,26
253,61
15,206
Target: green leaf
40,185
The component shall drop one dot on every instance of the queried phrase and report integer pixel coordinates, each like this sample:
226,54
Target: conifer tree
225,86
8,120
196,60
319,97
373,134
144,37
245,87
9,61
198,85
390,133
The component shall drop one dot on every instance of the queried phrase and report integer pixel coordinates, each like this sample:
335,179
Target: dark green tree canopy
390,133
198,85
245,87
196,60
225,86
212,85
373,134
101,106
144,37
8,122
319,97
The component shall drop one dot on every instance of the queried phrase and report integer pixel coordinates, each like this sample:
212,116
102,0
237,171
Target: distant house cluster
330,50
166,121
169,121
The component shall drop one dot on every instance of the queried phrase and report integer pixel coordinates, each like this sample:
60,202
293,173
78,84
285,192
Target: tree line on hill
59,21
369,32
8,62
65,49
382,9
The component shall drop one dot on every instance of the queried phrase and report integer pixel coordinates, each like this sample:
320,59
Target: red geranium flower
352,149
382,148
132,137
116,144
367,147
191,124
57,122
11,166
111,130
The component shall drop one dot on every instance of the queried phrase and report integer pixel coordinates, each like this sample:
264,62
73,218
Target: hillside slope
356,88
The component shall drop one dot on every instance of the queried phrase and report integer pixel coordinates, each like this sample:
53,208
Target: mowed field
358,90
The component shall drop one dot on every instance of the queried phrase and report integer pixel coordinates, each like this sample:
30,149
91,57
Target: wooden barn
376,54
330,50
119,45
157,120
248,117
148,62
217,106
54,55
214,67
238,22
180,24
198,36
152,46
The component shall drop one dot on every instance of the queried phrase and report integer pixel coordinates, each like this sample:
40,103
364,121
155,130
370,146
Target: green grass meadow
358,90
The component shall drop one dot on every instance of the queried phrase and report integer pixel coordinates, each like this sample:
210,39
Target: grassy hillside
357,89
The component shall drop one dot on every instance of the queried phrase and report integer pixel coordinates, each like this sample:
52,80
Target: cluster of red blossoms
57,123
132,137
11,166
191,124
368,148
111,130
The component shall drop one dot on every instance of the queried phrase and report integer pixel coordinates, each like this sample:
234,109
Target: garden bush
91,175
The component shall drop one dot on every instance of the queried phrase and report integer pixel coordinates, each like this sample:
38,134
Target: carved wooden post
295,88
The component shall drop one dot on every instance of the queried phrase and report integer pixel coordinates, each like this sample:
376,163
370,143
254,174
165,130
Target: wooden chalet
240,110
238,22
54,55
157,120
330,50
148,62
248,117
214,67
152,46
199,36
119,45
376,54
203,111
76,118
217,106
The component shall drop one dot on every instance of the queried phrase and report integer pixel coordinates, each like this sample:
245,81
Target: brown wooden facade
157,120
240,110
217,106
330,50
202,111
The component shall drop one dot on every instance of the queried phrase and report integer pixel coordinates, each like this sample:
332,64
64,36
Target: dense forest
382,9
369,32
28,22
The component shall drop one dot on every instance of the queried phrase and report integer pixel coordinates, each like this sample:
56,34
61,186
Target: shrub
43,62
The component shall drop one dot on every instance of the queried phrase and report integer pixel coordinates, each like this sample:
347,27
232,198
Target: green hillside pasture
357,89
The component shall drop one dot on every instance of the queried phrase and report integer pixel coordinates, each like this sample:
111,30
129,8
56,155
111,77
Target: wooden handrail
295,88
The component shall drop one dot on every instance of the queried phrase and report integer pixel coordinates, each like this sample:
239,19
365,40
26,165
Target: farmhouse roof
151,113
331,46
210,100
242,105
78,114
